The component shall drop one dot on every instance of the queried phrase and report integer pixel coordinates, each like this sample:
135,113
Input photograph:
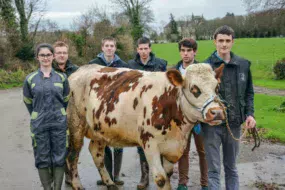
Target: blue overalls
46,100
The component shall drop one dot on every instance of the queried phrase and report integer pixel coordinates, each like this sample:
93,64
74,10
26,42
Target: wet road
17,171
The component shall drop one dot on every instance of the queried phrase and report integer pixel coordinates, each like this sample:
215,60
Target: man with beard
62,63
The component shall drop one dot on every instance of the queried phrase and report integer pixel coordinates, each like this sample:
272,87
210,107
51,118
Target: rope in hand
252,131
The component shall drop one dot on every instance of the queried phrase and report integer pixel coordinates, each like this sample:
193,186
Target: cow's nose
215,114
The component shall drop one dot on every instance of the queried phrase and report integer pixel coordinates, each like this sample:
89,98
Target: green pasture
262,52
269,119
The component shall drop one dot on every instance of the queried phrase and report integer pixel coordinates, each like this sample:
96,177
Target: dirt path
266,164
267,91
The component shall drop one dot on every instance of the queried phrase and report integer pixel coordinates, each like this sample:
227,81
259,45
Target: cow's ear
219,72
175,77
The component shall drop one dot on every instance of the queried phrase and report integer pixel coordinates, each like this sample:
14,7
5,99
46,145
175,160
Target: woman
46,94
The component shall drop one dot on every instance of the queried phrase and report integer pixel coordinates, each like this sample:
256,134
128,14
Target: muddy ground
265,165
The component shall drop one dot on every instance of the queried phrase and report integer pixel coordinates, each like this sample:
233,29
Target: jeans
214,137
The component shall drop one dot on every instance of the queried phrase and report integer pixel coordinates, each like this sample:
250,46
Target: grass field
262,52
269,119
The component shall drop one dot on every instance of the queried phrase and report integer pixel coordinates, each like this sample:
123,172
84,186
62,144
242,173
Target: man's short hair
109,38
60,44
224,30
143,40
188,42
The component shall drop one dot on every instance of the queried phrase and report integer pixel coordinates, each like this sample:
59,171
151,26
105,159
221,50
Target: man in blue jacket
236,90
108,58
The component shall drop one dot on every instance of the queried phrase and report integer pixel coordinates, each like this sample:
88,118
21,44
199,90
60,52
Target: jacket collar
150,61
217,60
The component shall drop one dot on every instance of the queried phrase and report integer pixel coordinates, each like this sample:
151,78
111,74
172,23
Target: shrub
279,69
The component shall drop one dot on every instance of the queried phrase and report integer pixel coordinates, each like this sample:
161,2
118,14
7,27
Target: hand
250,122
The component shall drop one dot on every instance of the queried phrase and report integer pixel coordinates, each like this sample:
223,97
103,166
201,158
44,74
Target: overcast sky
63,11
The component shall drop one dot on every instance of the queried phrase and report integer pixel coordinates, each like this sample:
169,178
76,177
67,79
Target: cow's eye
195,91
217,89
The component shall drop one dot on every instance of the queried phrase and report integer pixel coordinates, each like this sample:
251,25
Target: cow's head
199,90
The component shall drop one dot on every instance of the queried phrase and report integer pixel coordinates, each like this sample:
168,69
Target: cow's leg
76,144
77,129
154,160
168,167
96,148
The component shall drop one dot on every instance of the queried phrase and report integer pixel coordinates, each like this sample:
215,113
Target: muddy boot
108,164
45,177
58,173
118,157
144,170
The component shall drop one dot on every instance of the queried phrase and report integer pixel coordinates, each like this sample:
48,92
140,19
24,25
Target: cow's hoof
160,181
112,187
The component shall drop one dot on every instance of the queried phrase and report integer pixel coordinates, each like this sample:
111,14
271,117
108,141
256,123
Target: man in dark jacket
62,63
236,90
110,59
145,60
188,49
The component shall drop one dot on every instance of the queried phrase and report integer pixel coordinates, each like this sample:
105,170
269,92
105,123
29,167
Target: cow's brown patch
148,121
144,112
165,109
145,88
97,127
145,137
109,88
135,103
108,70
109,121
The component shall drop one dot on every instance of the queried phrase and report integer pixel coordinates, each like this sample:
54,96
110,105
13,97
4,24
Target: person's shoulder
62,75
97,60
241,60
132,63
30,76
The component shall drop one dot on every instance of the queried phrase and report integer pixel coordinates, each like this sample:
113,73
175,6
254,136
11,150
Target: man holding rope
236,92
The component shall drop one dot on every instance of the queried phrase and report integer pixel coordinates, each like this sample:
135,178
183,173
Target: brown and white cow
154,110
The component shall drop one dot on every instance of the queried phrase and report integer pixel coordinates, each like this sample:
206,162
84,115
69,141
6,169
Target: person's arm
66,92
249,102
27,96
249,96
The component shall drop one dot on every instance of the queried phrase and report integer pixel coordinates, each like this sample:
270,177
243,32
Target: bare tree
26,9
256,5
138,13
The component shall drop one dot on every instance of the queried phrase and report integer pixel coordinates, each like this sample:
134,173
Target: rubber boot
108,161
118,157
145,172
45,177
58,173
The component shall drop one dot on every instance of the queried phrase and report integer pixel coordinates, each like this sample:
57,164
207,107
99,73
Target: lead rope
252,131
